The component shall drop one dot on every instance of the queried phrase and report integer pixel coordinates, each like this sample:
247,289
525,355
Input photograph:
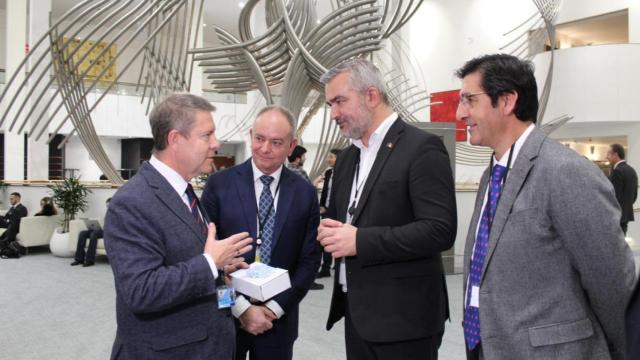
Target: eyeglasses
465,99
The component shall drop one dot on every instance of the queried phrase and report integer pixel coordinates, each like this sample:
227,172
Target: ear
372,97
509,100
294,142
172,138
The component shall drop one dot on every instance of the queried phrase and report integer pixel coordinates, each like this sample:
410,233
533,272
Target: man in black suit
625,183
392,213
11,220
325,197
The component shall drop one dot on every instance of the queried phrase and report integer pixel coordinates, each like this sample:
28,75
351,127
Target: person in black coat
11,220
625,183
391,215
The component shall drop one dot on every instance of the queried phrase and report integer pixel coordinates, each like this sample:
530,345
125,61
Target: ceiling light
241,4
204,25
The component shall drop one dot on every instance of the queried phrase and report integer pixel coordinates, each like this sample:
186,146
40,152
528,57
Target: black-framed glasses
465,98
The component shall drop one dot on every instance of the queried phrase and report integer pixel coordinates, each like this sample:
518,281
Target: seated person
16,212
11,220
87,258
46,207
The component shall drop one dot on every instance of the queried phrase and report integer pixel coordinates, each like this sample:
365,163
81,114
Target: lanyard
352,208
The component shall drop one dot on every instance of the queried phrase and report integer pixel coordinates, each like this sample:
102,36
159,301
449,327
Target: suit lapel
171,199
392,137
343,180
246,191
514,182
285,199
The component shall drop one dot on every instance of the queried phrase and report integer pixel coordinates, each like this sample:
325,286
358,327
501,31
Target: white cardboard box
260,281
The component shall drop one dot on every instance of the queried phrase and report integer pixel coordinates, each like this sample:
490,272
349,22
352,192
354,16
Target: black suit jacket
406,217
625,183
14,215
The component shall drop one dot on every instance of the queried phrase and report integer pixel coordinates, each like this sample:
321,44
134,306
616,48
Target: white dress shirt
367,158
180,186
242,304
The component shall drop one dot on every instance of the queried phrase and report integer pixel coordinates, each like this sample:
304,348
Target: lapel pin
391,145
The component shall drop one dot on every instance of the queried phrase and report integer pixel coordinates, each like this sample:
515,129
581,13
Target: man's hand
235,264
323,209
223,251
337,238
255,320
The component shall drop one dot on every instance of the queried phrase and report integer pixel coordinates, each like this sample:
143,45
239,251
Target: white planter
59,244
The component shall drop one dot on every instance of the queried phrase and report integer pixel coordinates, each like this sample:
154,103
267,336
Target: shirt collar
516,148
176,181
379,134
257,173
618,163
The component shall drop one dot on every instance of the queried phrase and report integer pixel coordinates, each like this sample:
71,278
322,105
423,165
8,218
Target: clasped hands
257,319
226,252
337,238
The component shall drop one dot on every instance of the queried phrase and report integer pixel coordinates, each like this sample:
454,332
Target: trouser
361,349
90,255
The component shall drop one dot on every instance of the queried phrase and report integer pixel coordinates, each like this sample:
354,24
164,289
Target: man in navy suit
164,256
285,232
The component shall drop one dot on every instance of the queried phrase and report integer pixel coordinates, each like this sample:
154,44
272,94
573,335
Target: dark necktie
266,213
471,323
193,205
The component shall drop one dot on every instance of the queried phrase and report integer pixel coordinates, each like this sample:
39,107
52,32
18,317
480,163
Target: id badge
226,297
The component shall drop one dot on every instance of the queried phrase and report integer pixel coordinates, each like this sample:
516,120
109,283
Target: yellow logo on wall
93,62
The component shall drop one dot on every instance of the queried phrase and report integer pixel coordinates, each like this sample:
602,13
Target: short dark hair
501,74
176,111
618,149
16,194
335,151
297,152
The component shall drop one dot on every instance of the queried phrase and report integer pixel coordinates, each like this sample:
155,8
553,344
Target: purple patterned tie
471,323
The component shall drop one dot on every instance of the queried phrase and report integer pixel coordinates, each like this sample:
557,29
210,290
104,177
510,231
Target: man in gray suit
547,272
164,256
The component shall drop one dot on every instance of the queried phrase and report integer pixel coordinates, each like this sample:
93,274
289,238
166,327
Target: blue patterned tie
266,219
471,323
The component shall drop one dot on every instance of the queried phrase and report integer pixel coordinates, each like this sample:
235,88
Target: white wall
77,157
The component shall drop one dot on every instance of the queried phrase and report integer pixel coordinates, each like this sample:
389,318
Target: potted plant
70,196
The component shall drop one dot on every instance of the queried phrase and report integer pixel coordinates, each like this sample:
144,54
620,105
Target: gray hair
363,75
177,111
284,112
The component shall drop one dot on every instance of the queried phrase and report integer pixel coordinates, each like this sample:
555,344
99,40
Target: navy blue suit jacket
229,199
165,292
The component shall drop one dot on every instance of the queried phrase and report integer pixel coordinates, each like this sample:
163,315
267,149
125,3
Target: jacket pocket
560,333
179,337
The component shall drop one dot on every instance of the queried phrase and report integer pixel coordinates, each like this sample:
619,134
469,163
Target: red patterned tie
193,205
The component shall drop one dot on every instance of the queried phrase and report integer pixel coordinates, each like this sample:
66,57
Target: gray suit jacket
558,272
166,303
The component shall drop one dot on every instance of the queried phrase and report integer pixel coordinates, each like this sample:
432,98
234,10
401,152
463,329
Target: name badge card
226,297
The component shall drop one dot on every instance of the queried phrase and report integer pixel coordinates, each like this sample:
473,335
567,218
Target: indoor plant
71,196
